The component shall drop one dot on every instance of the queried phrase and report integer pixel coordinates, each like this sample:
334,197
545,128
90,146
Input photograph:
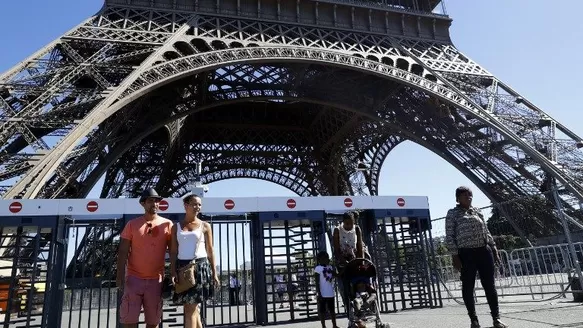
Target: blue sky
534,48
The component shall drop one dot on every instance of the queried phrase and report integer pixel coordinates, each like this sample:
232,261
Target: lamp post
195,184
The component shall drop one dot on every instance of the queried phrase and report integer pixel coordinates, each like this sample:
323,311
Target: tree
509,242
440,246
499,225
441,253
534,215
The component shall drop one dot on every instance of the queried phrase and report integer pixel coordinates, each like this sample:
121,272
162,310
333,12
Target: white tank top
187,243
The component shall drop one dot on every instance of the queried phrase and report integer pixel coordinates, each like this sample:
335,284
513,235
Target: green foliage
439,246
499,225
533,215
509,242
442,252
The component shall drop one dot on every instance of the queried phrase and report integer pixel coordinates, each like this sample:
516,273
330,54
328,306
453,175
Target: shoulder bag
186,275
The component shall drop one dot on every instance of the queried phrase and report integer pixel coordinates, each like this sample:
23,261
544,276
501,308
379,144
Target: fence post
56,273
568,236
258,251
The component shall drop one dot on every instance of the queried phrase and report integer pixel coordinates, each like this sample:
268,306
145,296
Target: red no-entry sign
348,202
163,205
401,202
291,203
229,204
15,207
92,206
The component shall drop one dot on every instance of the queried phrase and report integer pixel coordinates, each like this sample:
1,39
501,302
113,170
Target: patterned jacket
466,228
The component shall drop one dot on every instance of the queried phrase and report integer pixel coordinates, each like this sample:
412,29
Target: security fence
535,273
536,262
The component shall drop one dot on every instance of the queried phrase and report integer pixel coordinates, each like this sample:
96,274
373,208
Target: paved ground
562,313
521,315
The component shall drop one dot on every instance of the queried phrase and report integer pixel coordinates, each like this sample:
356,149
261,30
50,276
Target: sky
529,44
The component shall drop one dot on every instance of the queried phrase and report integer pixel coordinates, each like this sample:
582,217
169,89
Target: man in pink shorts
143,246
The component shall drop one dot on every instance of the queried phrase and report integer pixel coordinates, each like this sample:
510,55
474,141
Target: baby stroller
363,306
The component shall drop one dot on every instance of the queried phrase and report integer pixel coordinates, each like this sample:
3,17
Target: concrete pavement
519,315
561,313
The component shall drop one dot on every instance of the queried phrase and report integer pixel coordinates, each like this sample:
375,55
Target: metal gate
29,249
233,259
403,254
290,243
90,297
333,220
399,242
232,302
69,262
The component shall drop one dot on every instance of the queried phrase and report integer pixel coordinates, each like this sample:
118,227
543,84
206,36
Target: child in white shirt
325,274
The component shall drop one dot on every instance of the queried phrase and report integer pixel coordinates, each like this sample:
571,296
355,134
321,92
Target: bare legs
192,317
198,316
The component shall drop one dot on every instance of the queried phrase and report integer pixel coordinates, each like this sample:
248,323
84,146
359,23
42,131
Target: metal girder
400,89
176,100
378,158
222,162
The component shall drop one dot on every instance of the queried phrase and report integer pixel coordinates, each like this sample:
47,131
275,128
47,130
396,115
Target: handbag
186,275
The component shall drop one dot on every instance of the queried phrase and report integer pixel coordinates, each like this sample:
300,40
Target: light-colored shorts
139,292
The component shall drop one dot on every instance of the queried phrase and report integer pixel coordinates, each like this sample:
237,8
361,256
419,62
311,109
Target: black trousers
478,260
345,291
234,296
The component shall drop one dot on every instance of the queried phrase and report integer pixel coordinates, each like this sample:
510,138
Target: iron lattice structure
293,92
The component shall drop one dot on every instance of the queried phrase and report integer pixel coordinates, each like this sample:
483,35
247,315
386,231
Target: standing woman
473,251
347,240
348,245
192,241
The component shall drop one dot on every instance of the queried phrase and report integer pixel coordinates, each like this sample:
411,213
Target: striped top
466,228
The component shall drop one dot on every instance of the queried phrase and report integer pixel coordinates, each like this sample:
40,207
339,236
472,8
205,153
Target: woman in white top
348,245
192,240
347,240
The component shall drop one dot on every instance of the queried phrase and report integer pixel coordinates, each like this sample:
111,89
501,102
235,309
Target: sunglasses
150,230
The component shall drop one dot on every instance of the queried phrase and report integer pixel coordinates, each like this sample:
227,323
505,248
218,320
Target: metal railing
404,6
535,273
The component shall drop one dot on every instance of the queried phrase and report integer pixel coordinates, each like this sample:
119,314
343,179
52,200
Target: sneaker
499,324
475,324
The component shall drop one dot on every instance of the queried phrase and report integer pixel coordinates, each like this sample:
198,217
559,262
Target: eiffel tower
301,93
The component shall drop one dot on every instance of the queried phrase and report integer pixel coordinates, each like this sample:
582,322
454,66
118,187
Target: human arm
451,233
208,237
489,238
359,243
123,253
169,236
122,258
451,238
335,272
317,273
173,253
336,242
